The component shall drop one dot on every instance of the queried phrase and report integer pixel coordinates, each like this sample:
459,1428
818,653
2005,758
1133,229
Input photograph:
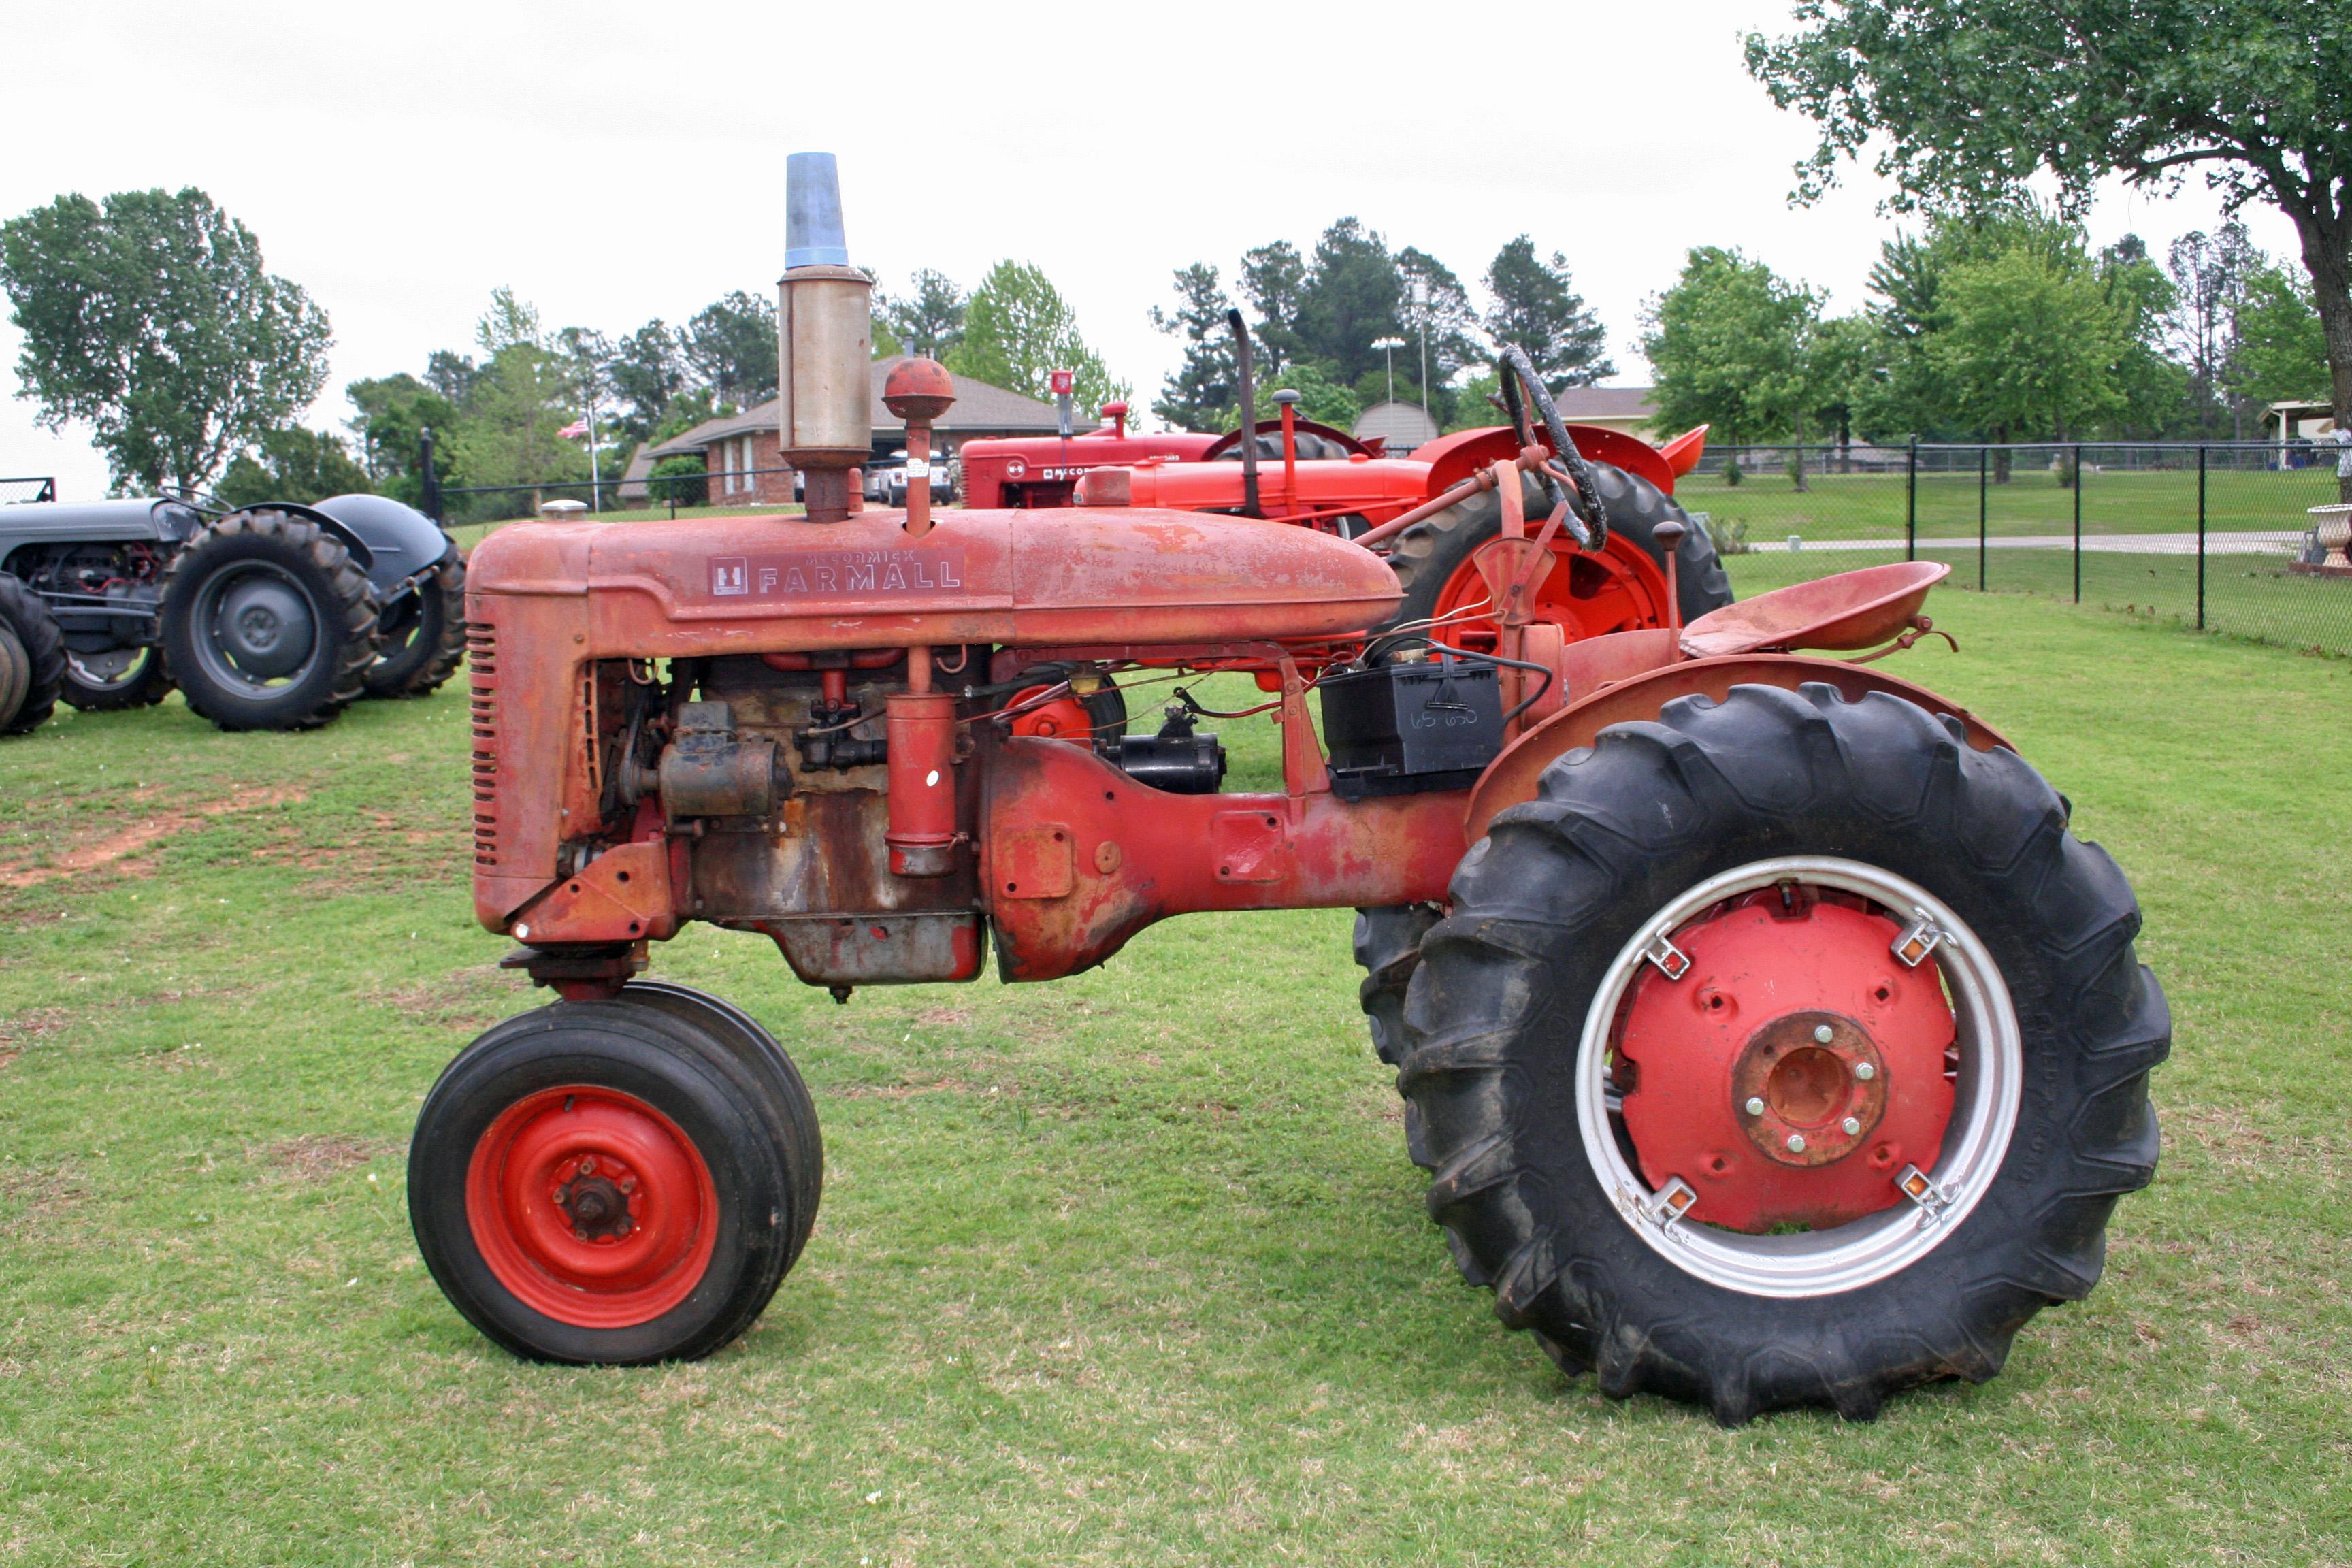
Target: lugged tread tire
1428,555
44,649
432,655
1541,907
319,558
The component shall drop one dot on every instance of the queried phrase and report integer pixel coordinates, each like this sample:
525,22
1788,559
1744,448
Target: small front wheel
607,1183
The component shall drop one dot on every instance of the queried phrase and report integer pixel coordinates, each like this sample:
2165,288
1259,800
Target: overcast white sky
615,163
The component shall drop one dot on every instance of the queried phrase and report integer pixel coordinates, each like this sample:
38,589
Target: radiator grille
482,666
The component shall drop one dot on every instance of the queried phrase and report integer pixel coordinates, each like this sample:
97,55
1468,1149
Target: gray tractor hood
393,543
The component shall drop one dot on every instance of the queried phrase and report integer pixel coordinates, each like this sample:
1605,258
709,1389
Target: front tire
116,681
32,661
267,624
1636,1200
607,1183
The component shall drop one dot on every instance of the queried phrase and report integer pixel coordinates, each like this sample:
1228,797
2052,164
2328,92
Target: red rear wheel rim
1795,1066
591,1207
1619,589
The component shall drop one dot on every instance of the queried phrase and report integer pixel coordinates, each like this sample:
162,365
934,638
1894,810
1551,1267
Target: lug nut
1823,1033
1865,1071
1796,1143
1853,1125
1755,1105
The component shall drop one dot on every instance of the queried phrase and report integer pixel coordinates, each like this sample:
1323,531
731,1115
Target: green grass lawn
1872,506
1128,1269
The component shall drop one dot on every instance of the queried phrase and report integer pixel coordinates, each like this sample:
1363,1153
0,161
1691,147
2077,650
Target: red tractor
1767,1035
1307,473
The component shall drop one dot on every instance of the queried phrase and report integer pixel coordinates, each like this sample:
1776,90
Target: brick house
741,453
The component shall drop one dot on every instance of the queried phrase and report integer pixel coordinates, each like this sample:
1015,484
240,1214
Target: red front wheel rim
591,1207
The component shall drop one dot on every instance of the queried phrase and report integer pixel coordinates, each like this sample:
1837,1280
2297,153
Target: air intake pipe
825,330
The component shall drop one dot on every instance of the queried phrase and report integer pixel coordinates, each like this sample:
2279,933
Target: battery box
1399,729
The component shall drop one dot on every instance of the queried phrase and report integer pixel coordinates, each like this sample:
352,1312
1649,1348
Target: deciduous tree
1732,344
293,464
928,318
151,319
1957,100
731,345
1018,330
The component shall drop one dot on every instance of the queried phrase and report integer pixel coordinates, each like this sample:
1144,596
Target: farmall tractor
1767,1035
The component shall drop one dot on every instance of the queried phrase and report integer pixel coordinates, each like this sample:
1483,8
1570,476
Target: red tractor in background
1767,1035
1299,471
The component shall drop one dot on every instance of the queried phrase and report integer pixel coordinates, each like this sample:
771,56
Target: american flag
574,431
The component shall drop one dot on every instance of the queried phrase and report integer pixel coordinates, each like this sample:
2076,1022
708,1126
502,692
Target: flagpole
595,476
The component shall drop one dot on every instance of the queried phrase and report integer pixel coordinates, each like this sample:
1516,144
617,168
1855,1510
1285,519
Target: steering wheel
1587,521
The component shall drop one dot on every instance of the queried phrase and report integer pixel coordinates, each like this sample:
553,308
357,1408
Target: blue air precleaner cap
813,231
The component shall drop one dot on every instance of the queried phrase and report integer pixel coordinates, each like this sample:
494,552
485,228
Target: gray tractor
272,617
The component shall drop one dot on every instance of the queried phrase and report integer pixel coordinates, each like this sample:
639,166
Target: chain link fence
2219,536
27,489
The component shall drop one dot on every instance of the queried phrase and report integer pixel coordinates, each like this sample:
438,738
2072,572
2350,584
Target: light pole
1421,313
1390,346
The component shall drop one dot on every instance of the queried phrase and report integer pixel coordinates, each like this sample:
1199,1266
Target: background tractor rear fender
342,533
1453,458
1511,777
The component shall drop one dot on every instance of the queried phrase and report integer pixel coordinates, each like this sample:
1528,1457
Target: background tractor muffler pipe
824,331
1248,396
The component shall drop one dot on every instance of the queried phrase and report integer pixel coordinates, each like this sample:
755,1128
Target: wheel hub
1793,1068
1811,1087
265,627
597,1199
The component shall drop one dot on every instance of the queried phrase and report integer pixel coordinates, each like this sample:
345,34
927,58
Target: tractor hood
1124,575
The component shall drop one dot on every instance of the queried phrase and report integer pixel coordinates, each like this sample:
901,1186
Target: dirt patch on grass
117,848
469,998
31,1196
315,1155
29,1028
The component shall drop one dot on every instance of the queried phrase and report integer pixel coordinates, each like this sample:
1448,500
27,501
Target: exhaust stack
824,325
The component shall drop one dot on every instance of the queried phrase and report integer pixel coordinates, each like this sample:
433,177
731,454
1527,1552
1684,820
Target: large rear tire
610,1182
1433,558
423,638
267,624
1570,1087
32,666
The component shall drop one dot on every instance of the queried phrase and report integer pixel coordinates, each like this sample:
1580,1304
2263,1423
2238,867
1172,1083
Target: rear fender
1453,458
401,541
1512,777
361,556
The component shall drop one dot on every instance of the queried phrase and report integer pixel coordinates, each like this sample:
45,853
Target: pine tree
1538,308
1200,393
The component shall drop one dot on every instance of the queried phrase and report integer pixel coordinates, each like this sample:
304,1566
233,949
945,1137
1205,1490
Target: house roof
979,407
1591,403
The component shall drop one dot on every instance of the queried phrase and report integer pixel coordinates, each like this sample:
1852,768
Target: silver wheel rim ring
1984,1111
